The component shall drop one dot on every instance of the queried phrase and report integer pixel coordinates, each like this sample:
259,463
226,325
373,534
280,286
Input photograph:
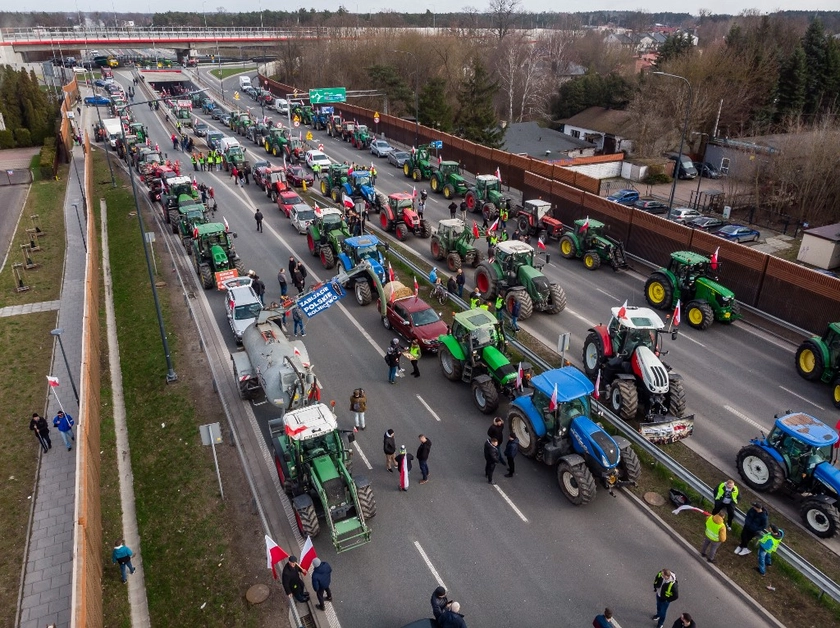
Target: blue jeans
661,610
513,322
764,560
392,374
123,568
460,291
284,288
299,323
424,468
67,437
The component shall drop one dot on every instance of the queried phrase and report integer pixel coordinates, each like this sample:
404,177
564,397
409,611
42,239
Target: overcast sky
150,6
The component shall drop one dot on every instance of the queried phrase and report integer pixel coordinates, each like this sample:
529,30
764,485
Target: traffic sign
297,123
309,136
438,144
236,95
327,95
376,119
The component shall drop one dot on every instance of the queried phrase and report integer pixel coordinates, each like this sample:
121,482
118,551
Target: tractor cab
803,442
450,228
476,330
361,178
449,168
513,254
338,173
331,220
688,267
573,392
487,183
639,326
588,227
399,201
537,209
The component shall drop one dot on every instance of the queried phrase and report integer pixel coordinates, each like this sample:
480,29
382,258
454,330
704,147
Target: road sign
320,299
438,144
327,95
297,123
236,95
309,136
376,119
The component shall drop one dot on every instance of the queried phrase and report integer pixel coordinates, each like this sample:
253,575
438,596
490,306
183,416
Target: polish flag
194,183
416,288
713,264
622,311
297,352
273,555
498,173
404,472
317,209
597,393
307,554
494,226
540,244
52,381
476,232
676,318
347,202
585,224
391,276
195,233
414,192
440,159
519,376
552,404
227,226
292,431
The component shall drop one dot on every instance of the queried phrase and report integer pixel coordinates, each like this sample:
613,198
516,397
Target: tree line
28,111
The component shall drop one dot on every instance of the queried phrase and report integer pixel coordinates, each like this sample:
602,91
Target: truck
244,81
113,131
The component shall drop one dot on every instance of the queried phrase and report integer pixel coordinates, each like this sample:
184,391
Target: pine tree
9,102
674,46
476,119
791,90
435,111
815,47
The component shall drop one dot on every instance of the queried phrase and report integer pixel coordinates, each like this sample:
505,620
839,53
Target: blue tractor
566,437
358,186
798,455
353,251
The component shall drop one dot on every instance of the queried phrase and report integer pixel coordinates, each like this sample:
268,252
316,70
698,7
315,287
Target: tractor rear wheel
206,276
385,221
416,175
187,242
310,242
406,169
452,368
759,469
676,396
486,280
485,396
835,392
809,361
366,501
658,291
593,351
327,257
453,262
557,299
591,260
307,518
489,212
448,191
334,195
699,314
624,399
401,231
526,309
520,426
362,292
820,518
434,183
425,229
567,247
524,225
436,248
576,482
471,201
629,469
325,190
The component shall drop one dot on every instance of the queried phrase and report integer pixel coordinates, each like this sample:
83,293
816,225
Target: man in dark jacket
39,426
497,432
453,208
292,266
423,457
259,287
666,588
389,446
452,618
439,602
511,449
491,457
258,216
321,578
755,521
684,621
292,582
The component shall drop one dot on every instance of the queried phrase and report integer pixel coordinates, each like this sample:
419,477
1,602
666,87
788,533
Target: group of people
241,176
182,142
401,460
295,588
493,452
61,421
209,162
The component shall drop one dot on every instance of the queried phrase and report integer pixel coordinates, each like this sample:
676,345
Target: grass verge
223,73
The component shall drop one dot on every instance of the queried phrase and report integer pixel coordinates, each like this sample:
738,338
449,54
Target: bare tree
503,14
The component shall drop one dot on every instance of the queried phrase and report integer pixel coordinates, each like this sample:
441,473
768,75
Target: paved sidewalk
47,580
29,308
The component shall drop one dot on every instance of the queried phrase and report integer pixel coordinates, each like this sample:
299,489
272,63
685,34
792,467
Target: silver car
302,216
380,148
398,158
241,304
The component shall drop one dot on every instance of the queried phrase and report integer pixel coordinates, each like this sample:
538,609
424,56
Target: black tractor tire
366,501
172,217
453,262
416,175
187,242
489,212
485,396
175,227
820,518
435,184
524,224
557,297
567,247
448,191
472,201
452,368
325,189
520,425
307,519
591,260
576,482
699,314
311,245
485,275
835,392
425,230
659,292
438,252
334,195
362,292
676,397
809,361
401,231
593,352
624,399
206,277
735,309
629,469
759,469
327,257
240,267
526,309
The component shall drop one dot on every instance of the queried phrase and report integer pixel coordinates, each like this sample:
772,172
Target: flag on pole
519,375
498,173
476,232
694,508
414,191
52,381
292,431
317,209
585,224
494,226
713,264
416,288
622,311
552,404
440,159
227,226
597,393
347,202
391,276
676,318
307,554
273,555
540,244
404,470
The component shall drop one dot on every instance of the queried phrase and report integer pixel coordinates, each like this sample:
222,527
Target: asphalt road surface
11,200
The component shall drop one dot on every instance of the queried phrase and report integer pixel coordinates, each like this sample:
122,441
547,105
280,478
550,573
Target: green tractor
486,196
178,191
314,468
690,280
326,236
454,243
213,252
818,358
190,215
419,164
588,240
447,179
234,156
242,123
513,274
474,352
275,141
333,180
362,137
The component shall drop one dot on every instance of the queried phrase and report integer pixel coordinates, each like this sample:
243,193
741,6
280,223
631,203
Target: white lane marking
429,564
511,504
692,340
607,293
580,316
363,456
790,392
745,418
428,407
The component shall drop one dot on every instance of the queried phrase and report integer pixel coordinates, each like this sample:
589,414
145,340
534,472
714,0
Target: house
606,128
619,40
821,247
530,139
741,159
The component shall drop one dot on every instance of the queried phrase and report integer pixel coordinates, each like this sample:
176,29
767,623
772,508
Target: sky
715,6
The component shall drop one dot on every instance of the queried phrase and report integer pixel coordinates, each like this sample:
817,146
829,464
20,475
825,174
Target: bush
656,175
23,137
7,140
48,158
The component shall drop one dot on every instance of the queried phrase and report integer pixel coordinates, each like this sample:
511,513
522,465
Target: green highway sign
327,95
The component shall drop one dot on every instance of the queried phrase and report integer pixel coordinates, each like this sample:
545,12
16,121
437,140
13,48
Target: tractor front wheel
526,305
835,392
624,399
759,469
310,242
699,314
425,230
524,225
401,231
406,169
453,262
489,212
809,361
485,281
676,396
567,247
436,248
327,257
334,195
629,469
820,518
658,291
576,482
591,260
435,185
520,426
557,299
471,201
448,191
452,368
485,396
362,292
416,175
593,350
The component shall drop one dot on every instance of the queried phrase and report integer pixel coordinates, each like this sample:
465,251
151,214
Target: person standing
496,431
358,405
767,545
414,357
403,460
715,535
258,216
234,173
452,285
292,265
39,427
300,270
453,208
392,359
64,423
247,172
297,317
755,521
452,618
321,578
726,496
439,602
511,450
122,556
259,288
281,279
684,621
460,279
389,446
666,588
292,582
423,457
515,308
499,306
475,298
491,457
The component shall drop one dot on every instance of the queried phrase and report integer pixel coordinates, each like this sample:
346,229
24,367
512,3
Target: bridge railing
60,34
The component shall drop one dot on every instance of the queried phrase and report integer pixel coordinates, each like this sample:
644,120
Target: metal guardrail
37,35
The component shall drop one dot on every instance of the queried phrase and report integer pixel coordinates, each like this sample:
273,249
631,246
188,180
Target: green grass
35,166
182,521
223,73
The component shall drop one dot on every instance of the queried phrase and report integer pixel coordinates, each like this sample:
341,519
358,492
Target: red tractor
399,216
534,218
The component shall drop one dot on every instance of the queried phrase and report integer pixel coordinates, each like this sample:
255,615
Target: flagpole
56,398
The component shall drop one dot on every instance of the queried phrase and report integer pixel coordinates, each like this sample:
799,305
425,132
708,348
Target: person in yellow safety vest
485,306
414,357
492,241
726,496
767,545
475,299
218,161
372,174
194,161
503,217
499,306
504,236
715,535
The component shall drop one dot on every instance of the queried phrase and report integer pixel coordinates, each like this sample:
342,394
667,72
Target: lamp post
79,218
682,137
700,171
57,333
416,95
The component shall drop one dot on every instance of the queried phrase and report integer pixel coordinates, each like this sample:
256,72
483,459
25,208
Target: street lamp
700,171
416,92
682,138
57,333
79,218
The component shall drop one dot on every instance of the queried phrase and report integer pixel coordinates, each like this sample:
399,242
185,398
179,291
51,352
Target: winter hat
402,449
292,558
440,592
316,562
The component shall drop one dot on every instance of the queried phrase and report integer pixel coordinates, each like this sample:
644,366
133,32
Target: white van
228,142
281,105
244,81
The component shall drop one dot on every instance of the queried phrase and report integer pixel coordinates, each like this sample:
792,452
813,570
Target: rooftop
601,119
533,140
827,232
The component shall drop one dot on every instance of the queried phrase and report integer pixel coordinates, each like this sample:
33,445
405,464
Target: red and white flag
194,183
414,191
273,555
391,276
404,472
52,381
713,263
540,244
519,375
292,431
307,554
498,173
676,318
297,352
440,159
597,393
347,202
585,224
622,311
693,508
476,232
227,226
416,288
317,209
494,226
552,404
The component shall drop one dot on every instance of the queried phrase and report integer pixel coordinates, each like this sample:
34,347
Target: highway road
516,552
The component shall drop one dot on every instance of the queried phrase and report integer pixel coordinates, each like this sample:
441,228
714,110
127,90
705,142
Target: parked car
286,200
684,214
296,175
99,83
706,223
651,207
316,156
398,158
685,168
217,113
414,319
213,139
380,148
738,233
626,196
225,119
302,216
201,128
241,304
707,170
97,101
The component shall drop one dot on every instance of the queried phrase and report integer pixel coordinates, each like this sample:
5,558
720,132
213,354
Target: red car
296,175
288,199
412,319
